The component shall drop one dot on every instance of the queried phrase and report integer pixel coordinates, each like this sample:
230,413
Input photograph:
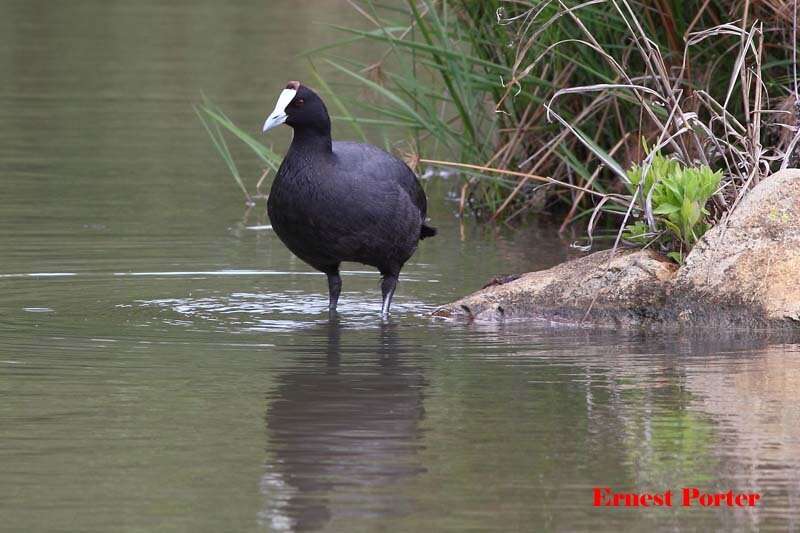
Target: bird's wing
376,205
382,171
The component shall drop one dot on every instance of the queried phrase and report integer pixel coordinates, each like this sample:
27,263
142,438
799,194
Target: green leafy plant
676,197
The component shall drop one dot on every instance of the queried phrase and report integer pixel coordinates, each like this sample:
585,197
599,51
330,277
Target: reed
215,122
560,97
547,105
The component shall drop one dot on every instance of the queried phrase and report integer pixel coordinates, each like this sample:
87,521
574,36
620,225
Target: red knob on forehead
293,85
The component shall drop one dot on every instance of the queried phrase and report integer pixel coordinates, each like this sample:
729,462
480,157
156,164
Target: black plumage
342,201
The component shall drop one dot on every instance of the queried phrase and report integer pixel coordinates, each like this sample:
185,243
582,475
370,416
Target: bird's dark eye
298,102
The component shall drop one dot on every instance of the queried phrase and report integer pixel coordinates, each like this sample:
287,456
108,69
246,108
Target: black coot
342,201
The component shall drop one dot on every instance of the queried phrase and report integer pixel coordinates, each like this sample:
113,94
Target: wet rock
622,288
744,273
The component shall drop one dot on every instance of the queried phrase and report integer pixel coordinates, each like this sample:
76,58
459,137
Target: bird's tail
426,231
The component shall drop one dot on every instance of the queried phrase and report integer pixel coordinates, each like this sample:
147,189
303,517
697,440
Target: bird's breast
301,215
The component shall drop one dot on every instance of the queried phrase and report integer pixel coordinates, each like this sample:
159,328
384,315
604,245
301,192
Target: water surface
166,364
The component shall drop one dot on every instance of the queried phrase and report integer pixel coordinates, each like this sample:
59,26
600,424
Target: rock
743,274
623,288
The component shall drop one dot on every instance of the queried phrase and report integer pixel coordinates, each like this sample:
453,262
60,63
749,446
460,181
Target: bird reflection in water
343,431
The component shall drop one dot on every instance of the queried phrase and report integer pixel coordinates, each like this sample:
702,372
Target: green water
167,365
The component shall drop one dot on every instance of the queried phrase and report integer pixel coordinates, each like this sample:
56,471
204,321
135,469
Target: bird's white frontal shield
278,115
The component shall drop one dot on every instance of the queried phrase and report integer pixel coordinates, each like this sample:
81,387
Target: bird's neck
312,140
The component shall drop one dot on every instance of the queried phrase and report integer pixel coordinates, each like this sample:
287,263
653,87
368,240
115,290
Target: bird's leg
334,288
388,285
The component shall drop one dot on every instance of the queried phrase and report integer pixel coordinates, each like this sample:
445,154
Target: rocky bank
743,274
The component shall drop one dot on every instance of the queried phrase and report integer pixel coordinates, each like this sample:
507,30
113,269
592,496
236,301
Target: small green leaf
676,256
666,209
